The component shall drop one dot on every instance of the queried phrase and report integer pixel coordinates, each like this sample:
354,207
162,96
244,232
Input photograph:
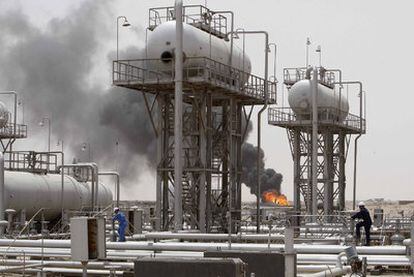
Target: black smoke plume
270,179
55,70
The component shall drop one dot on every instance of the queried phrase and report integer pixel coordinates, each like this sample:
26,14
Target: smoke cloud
269,179
55,70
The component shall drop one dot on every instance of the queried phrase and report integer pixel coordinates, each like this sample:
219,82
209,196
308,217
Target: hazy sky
371,41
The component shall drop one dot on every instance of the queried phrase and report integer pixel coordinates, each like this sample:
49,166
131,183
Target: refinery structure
200,93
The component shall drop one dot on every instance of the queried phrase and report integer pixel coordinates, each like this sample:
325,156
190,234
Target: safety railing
30,161
306,226
11,130
326,115
196,15
293,75
196,69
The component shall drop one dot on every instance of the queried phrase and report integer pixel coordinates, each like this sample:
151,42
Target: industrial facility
201,94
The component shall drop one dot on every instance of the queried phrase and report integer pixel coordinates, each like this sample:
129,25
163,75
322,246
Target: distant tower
334,126
10,130
218,93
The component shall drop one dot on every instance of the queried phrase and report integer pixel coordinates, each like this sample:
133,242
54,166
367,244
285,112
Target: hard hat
116,209
361,204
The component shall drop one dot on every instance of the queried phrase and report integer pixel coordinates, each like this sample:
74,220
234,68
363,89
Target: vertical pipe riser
178,105
2,191
314,141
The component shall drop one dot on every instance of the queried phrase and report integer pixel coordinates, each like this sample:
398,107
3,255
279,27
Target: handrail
292,75
328,115
31,161
14,130
197,15
154,71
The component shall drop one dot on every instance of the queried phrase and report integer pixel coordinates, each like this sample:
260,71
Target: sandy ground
391,208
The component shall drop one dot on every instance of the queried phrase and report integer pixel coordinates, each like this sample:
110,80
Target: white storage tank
331,105
24,190
196,43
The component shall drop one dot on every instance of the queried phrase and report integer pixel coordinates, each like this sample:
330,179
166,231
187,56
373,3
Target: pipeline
239,237
312,268
121,255
71,271
67,264
331,272
201,247
209,236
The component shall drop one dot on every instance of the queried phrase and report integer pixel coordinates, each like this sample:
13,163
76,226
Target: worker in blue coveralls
366,222
122,224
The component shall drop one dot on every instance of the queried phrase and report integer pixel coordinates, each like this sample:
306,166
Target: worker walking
122,223
366,223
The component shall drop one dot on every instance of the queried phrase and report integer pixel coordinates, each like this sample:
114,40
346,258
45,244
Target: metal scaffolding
11,130
332,143
217,98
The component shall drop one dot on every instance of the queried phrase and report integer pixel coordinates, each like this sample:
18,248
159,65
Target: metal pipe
2,191
200,247
339,259
49,131
120,254
355,170
361,105
70,271
178,116
95,181
274,59
307,51
117,184
259,133
48,142
117,37
313,268
221,236
208,236
243,48
259,120
339,73
315,143
96,177
303,258
332,272
71,264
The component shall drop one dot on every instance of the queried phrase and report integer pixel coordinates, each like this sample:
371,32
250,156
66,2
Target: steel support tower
217,98
333,140
11,130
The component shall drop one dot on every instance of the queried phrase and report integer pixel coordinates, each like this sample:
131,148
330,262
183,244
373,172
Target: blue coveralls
366,223
122,224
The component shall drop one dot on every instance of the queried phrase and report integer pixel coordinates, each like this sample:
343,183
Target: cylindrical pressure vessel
196,43
32,192
331,105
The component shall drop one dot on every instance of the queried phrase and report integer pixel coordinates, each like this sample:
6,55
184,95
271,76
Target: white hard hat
116,209
361,204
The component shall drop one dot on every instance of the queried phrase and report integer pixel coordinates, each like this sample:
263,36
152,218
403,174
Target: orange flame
273,196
